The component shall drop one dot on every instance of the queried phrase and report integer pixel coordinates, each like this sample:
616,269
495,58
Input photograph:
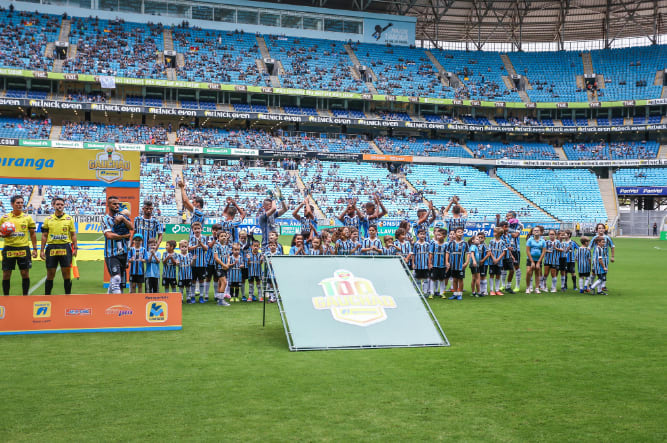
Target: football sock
581,283
251,289
574,282
5,287
595,285
25,285
191,292
207,285
517,277
242,289
48,287
563,281
482,286
503,276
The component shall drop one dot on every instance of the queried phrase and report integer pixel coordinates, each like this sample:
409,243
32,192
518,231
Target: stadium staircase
55,132
658,81
662,152
177,171
319,215
609,198
65,27
530,202
375,147
48,52
441,70
71,51
168,40
587,62
264,50
171,137
355,62
468,150
36,199
509,68
561,153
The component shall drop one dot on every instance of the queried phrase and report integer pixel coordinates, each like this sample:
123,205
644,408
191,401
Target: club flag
75,268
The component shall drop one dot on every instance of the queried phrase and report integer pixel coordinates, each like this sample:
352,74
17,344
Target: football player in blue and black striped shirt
220,251
498,250
211,241
584,265
403,246
552,260
185,260
425,219
372,245
169,267
230,224
254,261
115,244
344,245
351,216
600,264
196,206
420,251
136,258
198,247
457,261
459,215
307,220
148,226
152,267
568,255
437,263
235,265
373,211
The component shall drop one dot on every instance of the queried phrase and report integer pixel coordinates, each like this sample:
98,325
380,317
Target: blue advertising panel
641,190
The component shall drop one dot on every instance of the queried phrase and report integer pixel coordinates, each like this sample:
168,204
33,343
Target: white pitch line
37,285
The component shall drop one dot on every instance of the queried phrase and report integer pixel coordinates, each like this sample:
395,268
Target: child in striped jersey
152,267
403,246
344,244
316,247
584,265
220,252
568,255
372,245
234,263
136,257
437,263
498,251
327,245
420,251
457,261
185,261
356,244
389,248
475,252
600,264
552,260
254,261
198,247
169,267
484,263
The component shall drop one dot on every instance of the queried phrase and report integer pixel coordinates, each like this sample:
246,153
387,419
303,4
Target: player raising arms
459,215
373,211
58,245
351,216
268,215
425,219
17,246
307,220
196,206
228,224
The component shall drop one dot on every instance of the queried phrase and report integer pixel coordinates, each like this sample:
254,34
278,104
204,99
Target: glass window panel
225,15
178,10
269,19
108,5
312,23
80,3
155,8
130,6
248,17
291,21
352,27
202,13
333,25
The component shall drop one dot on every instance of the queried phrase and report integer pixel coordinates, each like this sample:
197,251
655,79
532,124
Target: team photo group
434,246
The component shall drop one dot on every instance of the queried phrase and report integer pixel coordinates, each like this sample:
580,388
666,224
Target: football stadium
387,220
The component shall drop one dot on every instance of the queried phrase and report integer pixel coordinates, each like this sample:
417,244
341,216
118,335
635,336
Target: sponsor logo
79,312
55,252
2,312
156,311
15,254
10,101
119,311
353,300
54,104
41,309
109,165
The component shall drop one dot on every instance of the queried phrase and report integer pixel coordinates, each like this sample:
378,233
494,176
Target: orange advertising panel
46,314
387,158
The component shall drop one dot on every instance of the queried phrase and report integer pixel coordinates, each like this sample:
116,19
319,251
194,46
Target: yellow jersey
21,236
59,229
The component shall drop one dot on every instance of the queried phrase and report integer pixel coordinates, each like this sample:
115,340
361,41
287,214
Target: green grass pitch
550,367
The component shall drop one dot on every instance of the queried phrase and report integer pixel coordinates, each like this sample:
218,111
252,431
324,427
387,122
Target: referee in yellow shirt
17,245
59,242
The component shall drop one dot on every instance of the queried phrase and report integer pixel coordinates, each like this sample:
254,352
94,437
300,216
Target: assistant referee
17,246
59,242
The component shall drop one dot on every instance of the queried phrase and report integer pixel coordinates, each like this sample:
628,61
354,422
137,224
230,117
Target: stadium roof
484,21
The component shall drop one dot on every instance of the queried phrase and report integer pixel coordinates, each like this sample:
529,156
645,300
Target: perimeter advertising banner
90,313
334,302
69,167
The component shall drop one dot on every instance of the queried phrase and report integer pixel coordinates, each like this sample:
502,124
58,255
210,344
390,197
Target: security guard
17,245
59,241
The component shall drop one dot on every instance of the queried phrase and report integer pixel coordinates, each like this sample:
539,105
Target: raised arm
187,204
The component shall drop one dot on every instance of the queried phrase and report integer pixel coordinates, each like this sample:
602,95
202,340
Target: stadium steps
319,215
261,66
355,73
57,65
276,110
55,132
465,146
71,51
279,143
171,74
609,198
325,113
599,78
508,82
592,96
441,70
263,49
561,153
177,171
171,137
557,122
587,62
48,52
524,96
375,147
662,152
180,60
168,39
509,67
581,84
65,26
664,92
659,76
36,199
530,202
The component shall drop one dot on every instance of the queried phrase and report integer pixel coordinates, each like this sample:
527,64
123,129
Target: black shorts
254,279
199,273
507,264
220,273
516,255
139,279
528,263
184,283
458,274
210,271
474,269
13,255
438,273
244,274
421,274
169,282
569,267
58,255
494,270
562,264
483,269
116,265
584,274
